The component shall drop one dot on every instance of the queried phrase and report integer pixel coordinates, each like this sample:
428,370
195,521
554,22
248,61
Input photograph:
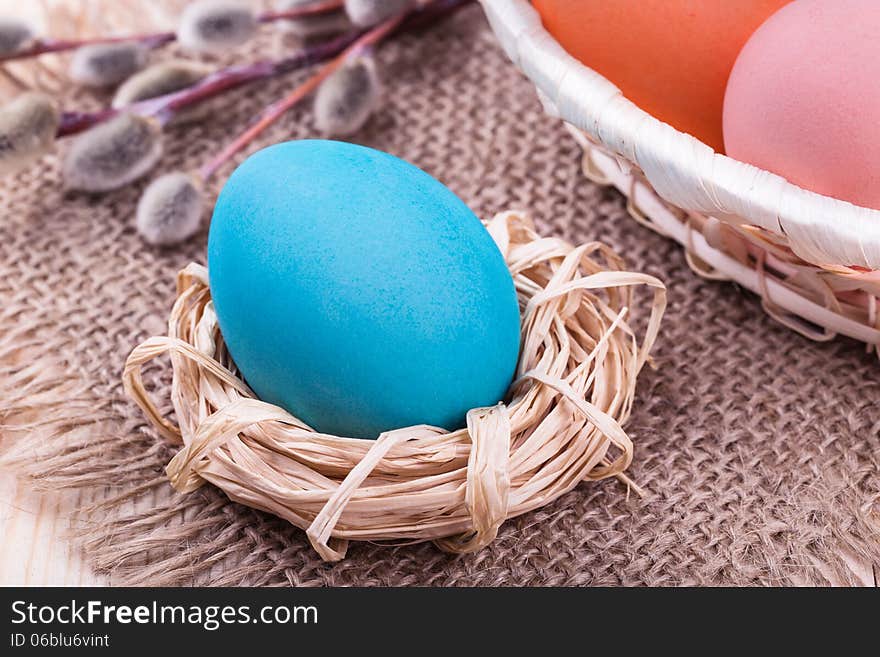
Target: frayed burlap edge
59,434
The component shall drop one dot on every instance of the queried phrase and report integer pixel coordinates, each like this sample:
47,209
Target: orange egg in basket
672,58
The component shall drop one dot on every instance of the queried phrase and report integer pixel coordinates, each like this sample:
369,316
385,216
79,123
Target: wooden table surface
33,550
32,527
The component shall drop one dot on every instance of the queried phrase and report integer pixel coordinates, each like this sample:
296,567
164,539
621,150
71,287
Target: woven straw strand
562,424
817,302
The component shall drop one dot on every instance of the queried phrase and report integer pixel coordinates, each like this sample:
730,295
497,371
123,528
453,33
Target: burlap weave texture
758,449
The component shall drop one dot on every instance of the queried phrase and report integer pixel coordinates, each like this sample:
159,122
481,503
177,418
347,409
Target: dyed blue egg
359,293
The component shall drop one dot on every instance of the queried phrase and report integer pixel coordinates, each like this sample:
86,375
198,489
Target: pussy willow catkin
317,25
14,34
158,80
112,154
212,26
107,64
170,209
347,98
27,130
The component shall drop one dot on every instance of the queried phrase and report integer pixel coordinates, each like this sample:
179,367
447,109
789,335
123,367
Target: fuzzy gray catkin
14,34
107,64
27,130
161,79
170,209
307,27
213,26
366,13
112,154
347,98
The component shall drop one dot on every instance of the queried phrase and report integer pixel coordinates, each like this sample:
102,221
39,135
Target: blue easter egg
359,293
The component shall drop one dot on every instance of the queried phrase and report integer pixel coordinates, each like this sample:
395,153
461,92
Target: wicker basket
811,258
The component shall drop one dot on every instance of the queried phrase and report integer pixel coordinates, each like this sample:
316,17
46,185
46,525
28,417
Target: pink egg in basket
803,100
792,211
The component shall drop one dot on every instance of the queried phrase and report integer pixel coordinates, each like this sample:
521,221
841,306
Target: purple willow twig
45,46
319,7
274,112
167,106
157,39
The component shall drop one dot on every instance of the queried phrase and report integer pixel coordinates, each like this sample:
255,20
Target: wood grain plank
34,550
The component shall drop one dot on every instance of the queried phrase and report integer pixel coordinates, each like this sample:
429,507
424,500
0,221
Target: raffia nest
561,423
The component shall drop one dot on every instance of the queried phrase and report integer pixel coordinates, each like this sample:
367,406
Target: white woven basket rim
683,170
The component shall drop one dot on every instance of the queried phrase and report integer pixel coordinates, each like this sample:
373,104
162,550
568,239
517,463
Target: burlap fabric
758,449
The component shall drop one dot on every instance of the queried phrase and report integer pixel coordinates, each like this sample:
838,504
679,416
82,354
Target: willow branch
157,39
166,107
274,112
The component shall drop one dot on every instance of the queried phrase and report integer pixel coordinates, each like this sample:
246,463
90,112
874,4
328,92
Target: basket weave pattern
814,260
573,391
819,302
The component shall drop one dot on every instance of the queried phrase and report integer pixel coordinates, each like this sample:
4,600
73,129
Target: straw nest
560,424
814,260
